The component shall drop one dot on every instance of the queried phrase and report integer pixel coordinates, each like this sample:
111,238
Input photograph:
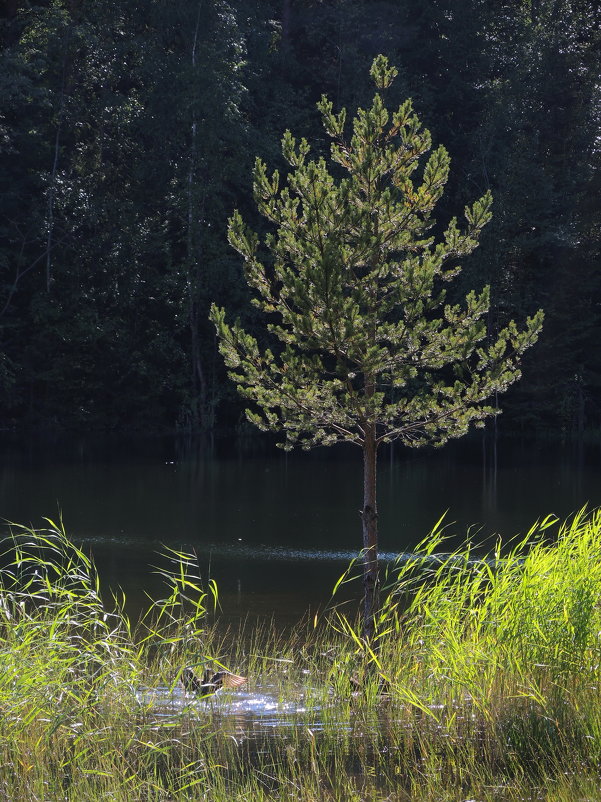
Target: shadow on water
276,530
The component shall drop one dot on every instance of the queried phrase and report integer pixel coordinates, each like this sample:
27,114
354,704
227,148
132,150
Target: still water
276,530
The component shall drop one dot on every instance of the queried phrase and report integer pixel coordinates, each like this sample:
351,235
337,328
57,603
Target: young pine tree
369,349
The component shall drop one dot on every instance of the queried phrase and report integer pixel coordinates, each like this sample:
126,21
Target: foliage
355,297
115,235
125,137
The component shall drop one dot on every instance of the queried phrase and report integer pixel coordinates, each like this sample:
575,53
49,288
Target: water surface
276,530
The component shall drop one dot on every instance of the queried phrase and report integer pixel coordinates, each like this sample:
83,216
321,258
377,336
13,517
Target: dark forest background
128,131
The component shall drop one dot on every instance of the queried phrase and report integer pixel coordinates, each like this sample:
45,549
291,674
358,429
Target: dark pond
274,530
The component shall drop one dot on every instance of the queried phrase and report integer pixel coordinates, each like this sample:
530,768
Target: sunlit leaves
352,288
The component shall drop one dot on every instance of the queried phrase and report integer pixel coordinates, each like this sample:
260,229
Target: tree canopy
355,292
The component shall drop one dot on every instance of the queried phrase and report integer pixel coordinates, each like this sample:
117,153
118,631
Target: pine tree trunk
369,517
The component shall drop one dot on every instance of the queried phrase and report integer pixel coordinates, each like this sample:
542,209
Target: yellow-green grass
482,682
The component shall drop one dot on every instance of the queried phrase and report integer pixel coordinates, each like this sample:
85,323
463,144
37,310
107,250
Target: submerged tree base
486,684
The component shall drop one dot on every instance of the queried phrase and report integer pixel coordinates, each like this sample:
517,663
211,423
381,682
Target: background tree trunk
198,407
286,23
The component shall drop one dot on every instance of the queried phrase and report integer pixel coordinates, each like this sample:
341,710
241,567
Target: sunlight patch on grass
483,681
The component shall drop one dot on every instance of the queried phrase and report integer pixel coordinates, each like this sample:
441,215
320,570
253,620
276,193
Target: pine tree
368,348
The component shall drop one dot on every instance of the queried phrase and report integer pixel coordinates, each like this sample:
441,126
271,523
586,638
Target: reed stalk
484,682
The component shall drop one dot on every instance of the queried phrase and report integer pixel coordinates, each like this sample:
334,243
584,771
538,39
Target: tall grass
483,682
71,723
495,661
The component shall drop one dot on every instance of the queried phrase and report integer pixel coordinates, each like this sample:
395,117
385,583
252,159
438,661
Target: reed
482,682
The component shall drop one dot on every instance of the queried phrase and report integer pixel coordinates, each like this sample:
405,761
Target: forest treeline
128,132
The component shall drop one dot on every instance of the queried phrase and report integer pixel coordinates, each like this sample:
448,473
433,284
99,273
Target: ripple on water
243,551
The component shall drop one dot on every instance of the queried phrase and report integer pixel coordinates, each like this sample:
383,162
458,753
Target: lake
276,530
